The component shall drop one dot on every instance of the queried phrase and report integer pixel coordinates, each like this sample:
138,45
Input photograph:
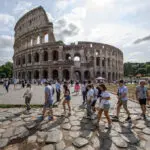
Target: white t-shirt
90,94
104,94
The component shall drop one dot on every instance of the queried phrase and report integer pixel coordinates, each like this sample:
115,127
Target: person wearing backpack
67,99
28,95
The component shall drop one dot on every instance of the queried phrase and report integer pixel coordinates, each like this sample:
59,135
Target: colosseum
38,56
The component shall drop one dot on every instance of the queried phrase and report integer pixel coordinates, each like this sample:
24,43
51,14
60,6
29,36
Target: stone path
23,131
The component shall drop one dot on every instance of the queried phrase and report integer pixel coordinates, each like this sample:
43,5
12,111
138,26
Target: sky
121,23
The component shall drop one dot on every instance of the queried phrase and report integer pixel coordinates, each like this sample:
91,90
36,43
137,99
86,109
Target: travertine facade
38,56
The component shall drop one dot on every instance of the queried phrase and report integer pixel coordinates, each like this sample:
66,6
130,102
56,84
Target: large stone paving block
3,142
80,142
48,147
130,138
54,136
119,142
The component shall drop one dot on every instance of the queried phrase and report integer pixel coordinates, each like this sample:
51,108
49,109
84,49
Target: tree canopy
132,69
6,70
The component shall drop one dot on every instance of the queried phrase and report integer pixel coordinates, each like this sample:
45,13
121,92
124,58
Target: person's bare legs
99,115
106,113
64,106
118,109
69,107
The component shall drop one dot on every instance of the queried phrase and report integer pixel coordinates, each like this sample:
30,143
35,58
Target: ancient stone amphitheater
38,56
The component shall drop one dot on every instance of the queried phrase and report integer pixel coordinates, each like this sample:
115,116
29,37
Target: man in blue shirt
58,91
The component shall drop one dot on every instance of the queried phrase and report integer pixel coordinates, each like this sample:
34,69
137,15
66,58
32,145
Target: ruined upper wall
34,19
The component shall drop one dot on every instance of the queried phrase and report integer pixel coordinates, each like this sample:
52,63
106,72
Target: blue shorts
68,98
48,105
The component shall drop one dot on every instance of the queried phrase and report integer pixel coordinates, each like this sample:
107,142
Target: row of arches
65,74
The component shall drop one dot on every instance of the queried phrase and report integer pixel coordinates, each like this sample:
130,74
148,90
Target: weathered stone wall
37,55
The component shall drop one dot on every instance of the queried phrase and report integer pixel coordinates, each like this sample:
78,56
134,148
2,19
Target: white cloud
51,19
6,42
6,21
22,7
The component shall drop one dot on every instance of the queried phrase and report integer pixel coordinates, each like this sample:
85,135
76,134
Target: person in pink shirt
77,88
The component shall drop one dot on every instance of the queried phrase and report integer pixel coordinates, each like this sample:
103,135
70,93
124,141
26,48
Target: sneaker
108,127
41,118
144,117
50,118
127,119
115,117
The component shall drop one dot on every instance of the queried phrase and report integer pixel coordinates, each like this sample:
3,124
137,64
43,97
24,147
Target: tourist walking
28,95
58,91
141,96
90,97
6,85
104,105
49,98
77,88
23,83
83,89
122,100
67,99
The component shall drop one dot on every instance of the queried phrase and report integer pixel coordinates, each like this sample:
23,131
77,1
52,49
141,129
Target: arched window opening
19,61
29,58
109,77
45,74
23,75
68,57
29,75
38,40
36,74
55,74
31,42
36,57
113,76
46,38
77,75
77,57
86,75
23,60
45,56
103,62
66,74
98,74
103,75
98,61
55,55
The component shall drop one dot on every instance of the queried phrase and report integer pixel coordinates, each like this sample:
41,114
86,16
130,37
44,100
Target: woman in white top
104,105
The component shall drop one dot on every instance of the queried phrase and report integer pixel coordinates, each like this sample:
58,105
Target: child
77,88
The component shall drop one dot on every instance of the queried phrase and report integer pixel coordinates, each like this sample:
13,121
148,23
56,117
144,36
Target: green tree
141,71
6,70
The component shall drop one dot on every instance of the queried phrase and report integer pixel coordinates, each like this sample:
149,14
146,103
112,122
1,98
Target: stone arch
113,76
29,58
36,57
103,62
98,74
68,56
86,75
66,74
109,76
45,74
77,57
97,53
55,74
46,38
45,56
97,61
19,75
29,75
103,74
23,60
116,76
77,75
36,74
55,55
23,75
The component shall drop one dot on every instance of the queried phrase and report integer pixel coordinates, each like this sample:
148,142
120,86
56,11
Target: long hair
103,86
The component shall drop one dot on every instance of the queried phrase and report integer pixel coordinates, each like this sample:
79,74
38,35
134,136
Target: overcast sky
121,23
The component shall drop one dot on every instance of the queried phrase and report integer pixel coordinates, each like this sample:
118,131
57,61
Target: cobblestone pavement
23,131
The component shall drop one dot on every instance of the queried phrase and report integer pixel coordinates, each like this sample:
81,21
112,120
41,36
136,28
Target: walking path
22,131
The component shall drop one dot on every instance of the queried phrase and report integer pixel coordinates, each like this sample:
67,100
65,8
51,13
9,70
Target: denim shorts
106,107
68,98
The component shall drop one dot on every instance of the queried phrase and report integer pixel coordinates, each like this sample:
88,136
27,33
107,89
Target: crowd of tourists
96,98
